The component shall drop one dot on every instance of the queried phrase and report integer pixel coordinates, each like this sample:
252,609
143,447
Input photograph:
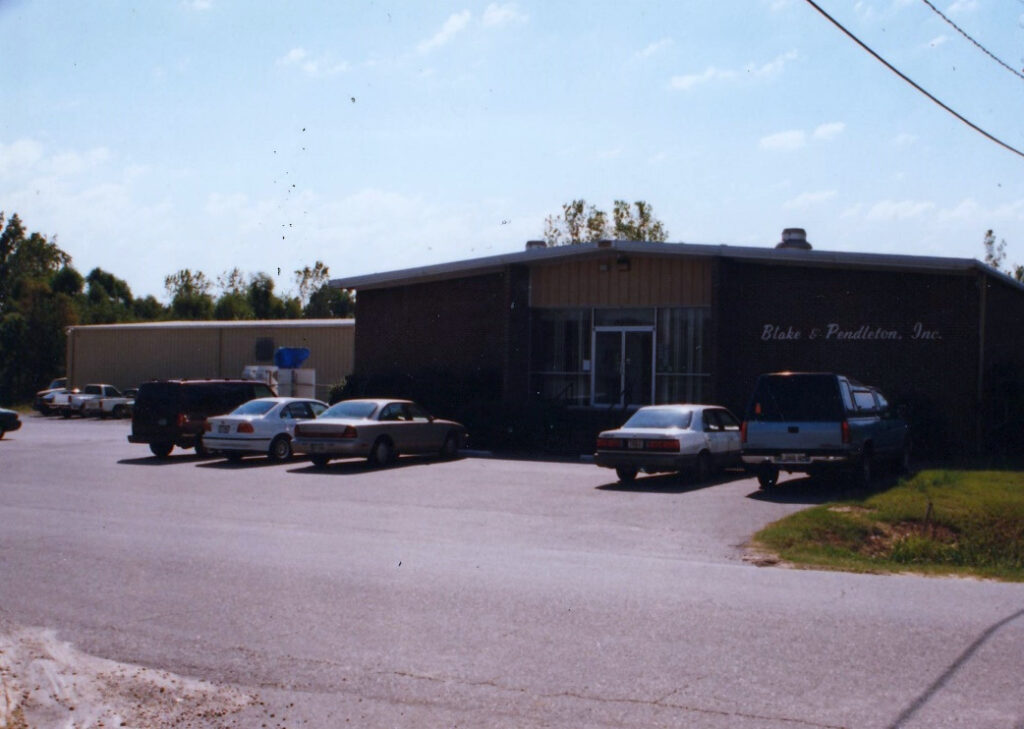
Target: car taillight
245,428
846,432
743,432
665,444
609,442
182,419
207,427
349,432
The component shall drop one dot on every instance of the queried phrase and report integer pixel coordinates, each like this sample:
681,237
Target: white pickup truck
119,406
73,403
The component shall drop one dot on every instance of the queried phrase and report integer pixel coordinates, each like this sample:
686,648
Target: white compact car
662,438
265,425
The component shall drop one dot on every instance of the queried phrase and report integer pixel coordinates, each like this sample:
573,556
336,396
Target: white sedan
265,425
679,437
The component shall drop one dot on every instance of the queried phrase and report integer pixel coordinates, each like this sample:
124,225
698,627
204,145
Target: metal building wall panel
622,281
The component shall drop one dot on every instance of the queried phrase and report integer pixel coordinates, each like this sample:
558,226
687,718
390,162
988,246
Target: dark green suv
170,413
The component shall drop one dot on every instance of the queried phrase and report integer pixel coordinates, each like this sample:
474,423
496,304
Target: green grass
968,523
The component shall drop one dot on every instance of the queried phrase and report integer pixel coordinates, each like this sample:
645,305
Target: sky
149,137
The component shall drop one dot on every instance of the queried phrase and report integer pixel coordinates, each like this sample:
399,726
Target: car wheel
2,432
382,453
450,449
280,448
903,465
320,461
200,448
767,476
626,474
704,467
120,411
161,450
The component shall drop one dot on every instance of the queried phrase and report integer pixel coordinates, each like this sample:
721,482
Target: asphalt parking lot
477,592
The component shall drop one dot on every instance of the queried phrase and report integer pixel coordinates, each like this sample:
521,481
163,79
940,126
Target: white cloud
455,24
962,7
773,67
890,210
19,156
711,73
324,65
787,141
685,83
654,48
829,131
496,15
809,199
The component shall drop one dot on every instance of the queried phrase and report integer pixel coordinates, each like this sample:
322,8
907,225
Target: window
680,365
561,355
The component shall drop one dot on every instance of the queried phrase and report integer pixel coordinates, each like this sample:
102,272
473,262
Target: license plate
636,444
793,457
223,428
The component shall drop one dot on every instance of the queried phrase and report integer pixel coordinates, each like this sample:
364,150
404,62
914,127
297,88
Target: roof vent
794,239
534,244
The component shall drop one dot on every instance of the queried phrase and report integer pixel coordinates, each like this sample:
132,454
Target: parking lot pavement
479,592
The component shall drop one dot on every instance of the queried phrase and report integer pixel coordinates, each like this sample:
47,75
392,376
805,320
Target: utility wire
910,81
982,48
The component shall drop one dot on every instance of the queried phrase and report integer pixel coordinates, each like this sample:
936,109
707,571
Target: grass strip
942,522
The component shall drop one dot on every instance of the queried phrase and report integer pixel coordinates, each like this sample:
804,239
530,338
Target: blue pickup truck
814,422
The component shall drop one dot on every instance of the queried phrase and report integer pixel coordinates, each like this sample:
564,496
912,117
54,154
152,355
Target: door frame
622,331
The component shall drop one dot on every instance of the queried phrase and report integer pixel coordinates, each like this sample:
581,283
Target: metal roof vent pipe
794,239
532,245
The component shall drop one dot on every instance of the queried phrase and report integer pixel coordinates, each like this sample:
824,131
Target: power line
983,49
910,81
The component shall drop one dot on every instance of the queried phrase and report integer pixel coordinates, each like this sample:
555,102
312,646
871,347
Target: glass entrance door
623,366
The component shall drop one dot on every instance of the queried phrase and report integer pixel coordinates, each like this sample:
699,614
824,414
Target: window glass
318,409
623,317
864,400
807,398
659,418
417,413
254,407
561,341
392,411
351,409
728,421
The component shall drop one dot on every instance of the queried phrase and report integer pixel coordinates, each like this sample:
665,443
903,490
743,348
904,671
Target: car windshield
660,418
350,409
254,407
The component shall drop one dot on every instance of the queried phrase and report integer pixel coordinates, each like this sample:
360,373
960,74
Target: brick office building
572,337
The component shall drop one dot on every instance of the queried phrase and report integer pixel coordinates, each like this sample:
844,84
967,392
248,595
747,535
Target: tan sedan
378,430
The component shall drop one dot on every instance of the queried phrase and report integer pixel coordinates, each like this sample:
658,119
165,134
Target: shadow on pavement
671,483
361,465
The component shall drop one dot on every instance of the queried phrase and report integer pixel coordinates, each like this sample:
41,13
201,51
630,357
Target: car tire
161,449
320,461
450,449
704,467
767,476
120,411
382,453
626,474
200,448
280,448
2,433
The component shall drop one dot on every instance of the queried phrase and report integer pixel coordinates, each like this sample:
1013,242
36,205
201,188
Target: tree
583,223
310,280
25,257
328,302
233,303
190,295
995,255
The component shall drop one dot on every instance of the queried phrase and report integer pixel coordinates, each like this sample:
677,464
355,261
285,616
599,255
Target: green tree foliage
319,300
108,299
583,223
190,295
37,302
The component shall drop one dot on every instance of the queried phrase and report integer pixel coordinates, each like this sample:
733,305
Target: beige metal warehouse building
128,354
